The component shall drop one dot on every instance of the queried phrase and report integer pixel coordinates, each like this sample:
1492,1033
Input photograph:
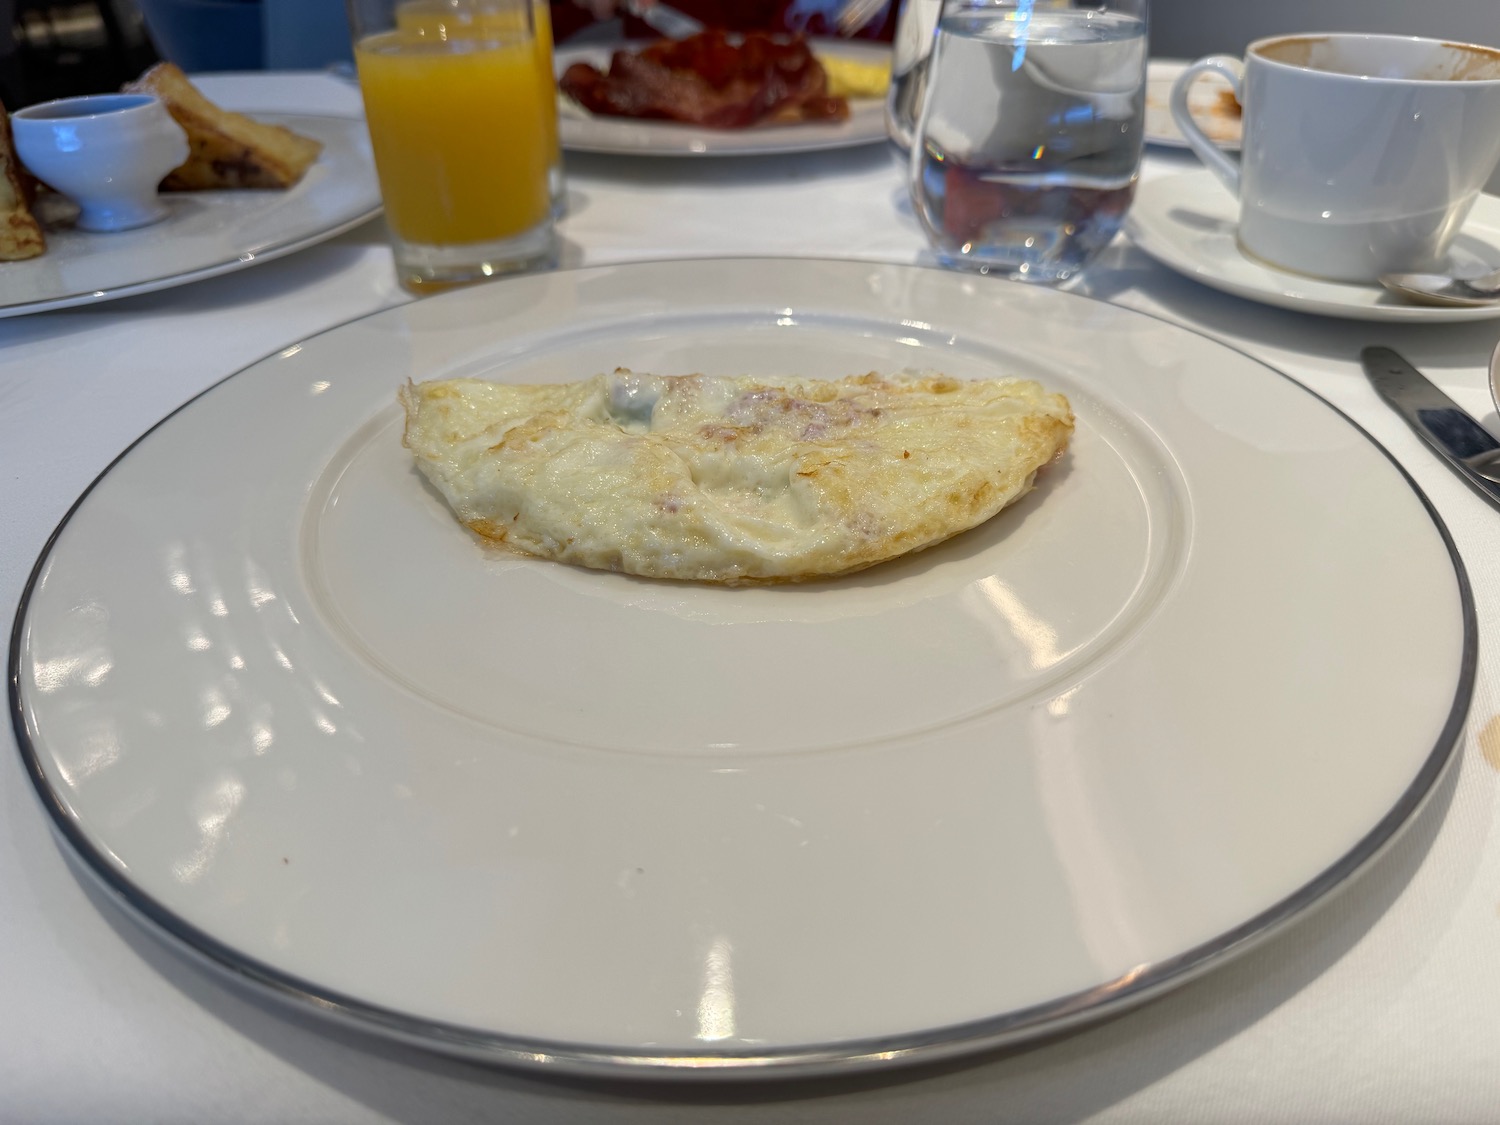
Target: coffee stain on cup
1475,63
1454,62
1489,742
1292,51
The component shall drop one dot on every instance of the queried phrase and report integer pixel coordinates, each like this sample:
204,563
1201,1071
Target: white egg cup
106,152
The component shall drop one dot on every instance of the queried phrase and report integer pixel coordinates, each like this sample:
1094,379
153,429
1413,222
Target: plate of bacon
722,94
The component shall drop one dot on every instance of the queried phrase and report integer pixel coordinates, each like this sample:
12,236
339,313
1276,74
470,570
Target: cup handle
1226,167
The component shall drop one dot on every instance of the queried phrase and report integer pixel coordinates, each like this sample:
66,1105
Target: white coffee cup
1361,154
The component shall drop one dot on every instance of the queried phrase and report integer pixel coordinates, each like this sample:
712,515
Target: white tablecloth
1382,1005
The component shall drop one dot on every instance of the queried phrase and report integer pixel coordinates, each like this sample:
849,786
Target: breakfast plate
1210,101
284,708
1187,222
206,233
582,131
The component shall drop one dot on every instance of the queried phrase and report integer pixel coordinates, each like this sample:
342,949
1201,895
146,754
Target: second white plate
1188,222
206,233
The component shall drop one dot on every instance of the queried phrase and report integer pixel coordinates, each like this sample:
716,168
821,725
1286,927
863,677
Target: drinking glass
1028,146
461,108
909,57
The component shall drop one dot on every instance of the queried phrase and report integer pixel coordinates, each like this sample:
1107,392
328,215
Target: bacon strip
711,80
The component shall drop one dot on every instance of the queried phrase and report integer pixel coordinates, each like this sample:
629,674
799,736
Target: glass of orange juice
462,113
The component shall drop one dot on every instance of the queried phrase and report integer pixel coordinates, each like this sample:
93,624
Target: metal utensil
1441,289
856,14
1495,377
659,17
1466,446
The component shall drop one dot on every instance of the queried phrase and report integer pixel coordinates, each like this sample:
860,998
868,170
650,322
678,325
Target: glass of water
1028,145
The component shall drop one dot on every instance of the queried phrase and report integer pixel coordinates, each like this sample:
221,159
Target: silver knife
1468,448
669,21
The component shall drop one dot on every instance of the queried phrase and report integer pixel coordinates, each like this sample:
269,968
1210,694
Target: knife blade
1451,432
669,21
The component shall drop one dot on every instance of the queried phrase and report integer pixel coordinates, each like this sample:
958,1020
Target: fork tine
856,14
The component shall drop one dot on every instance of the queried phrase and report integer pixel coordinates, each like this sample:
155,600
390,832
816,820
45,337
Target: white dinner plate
293,713
1188,222
206,233
582,131
1210,101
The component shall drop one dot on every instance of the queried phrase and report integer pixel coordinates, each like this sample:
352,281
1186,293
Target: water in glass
1029,142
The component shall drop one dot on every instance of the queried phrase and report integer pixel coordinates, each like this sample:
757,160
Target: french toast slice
225,149
20,234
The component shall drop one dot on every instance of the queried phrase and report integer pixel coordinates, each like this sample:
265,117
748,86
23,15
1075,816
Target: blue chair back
201,35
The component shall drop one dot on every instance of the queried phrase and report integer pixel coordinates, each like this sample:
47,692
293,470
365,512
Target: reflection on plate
295,715
1188,221
1211,102
581,131
205,234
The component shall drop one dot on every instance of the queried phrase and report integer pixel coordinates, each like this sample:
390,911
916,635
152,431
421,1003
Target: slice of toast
225,149
20,234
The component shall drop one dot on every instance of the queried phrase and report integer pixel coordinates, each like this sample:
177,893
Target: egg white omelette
731,479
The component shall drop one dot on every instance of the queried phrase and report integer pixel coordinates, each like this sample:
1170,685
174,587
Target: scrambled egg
731,479
850,78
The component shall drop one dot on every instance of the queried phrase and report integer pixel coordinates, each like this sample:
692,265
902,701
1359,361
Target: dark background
55,48
59,49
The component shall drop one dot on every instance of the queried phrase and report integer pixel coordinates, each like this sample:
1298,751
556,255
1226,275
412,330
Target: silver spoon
1441,289
1495,377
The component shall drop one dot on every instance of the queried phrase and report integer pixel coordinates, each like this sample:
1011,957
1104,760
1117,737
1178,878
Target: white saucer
1187,222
